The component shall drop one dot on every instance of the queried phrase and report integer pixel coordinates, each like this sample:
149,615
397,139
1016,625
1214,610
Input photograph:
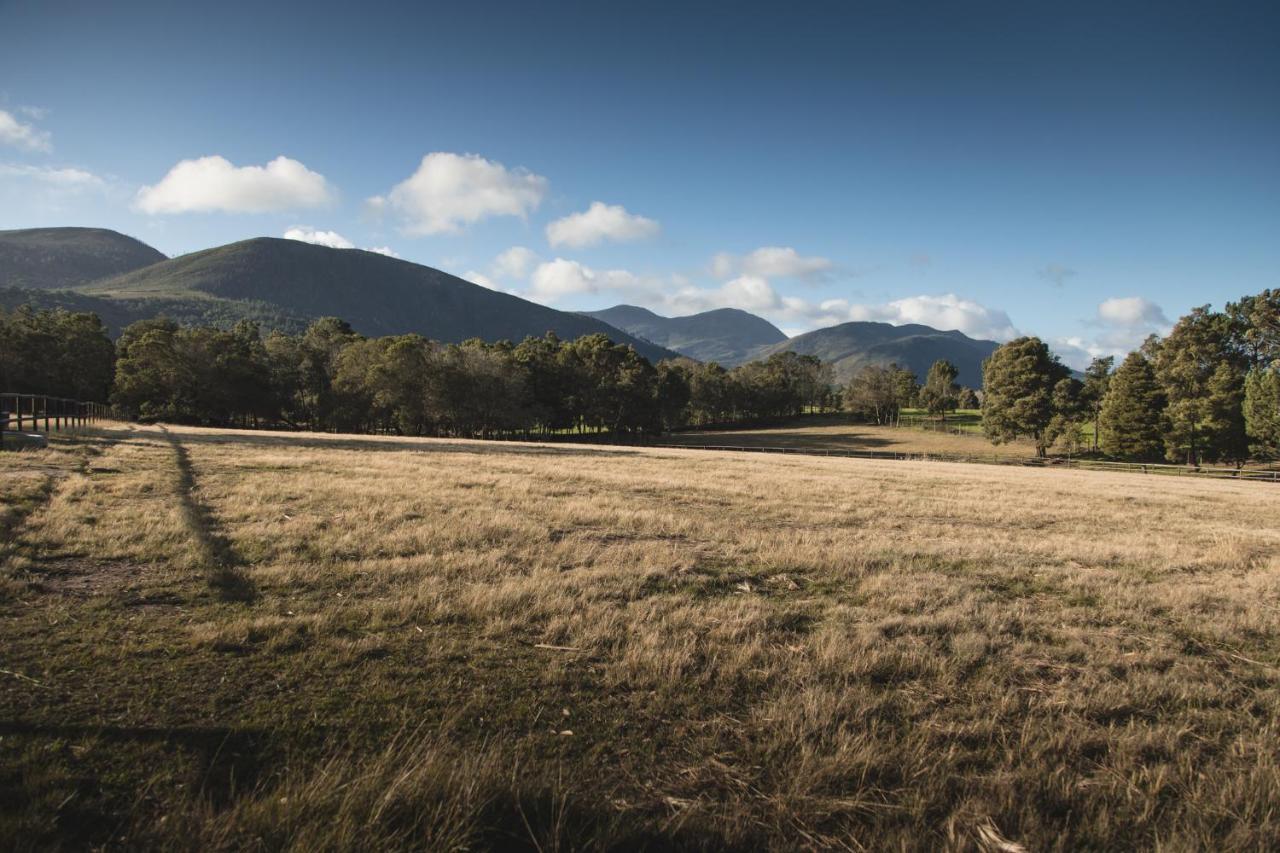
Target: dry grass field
818,433
219,640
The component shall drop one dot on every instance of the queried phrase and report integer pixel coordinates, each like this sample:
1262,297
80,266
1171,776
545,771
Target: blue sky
1076,171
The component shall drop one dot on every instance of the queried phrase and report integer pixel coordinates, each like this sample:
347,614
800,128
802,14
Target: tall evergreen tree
1202,422
1262,411
1130,423
1018,382
1097,376
938,394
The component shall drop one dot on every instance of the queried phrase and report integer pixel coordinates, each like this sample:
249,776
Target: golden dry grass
219,640
834,433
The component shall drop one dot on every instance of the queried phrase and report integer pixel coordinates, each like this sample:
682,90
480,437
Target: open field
222,640
835,432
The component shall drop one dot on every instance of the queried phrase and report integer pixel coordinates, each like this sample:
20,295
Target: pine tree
938,394
1262,412
1225,438
1189,364
1096,379
1018,381
1130,423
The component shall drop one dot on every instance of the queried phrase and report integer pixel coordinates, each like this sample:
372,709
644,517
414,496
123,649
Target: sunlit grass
452,643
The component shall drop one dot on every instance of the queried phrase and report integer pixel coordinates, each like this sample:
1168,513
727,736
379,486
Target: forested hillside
61,258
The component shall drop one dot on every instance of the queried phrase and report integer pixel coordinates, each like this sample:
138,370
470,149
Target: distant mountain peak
285,283
61,258
724,335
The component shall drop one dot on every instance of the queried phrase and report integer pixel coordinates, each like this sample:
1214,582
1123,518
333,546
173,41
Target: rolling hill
851,346
61,258
725,335
285,283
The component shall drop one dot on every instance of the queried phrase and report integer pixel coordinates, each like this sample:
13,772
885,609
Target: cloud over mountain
598,223
209,184
450,191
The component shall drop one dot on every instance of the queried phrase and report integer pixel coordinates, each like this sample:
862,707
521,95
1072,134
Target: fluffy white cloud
946,312
771,262
747,292
449,191
597,223
514,262
332,239
214,184
22,136
1131,312
480,279
556,279
64,178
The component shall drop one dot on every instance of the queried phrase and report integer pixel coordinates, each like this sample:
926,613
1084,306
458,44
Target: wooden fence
42,413
1269,474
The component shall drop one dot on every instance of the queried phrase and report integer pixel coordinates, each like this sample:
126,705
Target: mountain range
285,284
732,337
726,335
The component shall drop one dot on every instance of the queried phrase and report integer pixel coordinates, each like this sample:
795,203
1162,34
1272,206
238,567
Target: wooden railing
42,413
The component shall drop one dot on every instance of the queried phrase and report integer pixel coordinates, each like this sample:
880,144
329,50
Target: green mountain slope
378,295
60,258
726,335
851,346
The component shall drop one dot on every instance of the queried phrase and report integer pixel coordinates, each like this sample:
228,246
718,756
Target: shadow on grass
223,566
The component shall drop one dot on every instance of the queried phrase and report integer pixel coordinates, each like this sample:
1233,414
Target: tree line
330,378
1209,391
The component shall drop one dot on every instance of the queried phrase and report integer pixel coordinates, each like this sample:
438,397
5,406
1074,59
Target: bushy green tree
1018,381
1256,323
58,353
1202,372
939,392
879,393
1131,420
1262,411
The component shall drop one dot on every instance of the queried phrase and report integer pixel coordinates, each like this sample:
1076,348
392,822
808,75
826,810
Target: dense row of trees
56,353
1207,392
330,378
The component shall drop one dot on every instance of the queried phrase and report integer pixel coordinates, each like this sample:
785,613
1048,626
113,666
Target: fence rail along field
42,413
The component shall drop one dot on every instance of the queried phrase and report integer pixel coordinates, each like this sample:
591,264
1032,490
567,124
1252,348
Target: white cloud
449,191
480,279
332,239
747,292
23,136
597,223
1131,312
559,278
771,262
1123,323
947,312
63,178
514,262
214,184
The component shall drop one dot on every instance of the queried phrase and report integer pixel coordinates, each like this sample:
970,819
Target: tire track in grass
223,566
